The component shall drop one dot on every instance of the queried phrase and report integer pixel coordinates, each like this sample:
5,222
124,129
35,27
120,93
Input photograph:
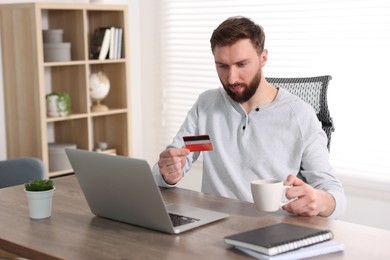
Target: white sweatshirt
272,141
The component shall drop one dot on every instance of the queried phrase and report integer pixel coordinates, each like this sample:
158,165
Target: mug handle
285,201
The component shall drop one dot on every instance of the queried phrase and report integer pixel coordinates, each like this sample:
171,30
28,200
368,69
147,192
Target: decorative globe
99,86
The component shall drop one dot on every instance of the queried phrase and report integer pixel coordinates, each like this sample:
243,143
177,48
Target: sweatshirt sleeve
316,168
159,179
189,127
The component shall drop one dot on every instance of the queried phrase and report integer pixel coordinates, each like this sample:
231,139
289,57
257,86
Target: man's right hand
171,164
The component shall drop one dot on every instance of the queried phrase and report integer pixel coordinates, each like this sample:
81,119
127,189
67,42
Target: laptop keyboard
178,220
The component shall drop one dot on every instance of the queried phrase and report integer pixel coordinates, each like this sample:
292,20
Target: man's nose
233,75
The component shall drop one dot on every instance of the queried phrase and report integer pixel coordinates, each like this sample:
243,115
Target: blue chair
21,170
16,172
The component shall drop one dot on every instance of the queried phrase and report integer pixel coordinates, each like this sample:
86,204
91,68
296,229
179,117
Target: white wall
368,203
151,93
368,206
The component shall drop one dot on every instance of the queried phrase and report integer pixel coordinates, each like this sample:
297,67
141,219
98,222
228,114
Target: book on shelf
105,45
112,43
96,42
118,50
323,248
278,238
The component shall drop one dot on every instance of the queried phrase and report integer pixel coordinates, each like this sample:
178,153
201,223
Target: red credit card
197,143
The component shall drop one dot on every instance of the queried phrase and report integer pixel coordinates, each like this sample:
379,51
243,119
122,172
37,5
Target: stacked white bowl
54,47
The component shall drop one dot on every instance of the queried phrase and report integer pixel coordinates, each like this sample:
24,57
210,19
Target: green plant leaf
39,185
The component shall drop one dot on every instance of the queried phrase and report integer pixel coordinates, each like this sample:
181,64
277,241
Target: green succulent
63,103
39,185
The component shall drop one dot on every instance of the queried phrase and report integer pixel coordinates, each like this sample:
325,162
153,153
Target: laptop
123,189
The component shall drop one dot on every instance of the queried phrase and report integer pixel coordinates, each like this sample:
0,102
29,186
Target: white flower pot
39,203
56,105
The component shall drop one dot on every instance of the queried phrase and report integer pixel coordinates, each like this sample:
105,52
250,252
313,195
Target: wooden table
73,232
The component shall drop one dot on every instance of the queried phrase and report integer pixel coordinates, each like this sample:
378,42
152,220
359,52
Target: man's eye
241,64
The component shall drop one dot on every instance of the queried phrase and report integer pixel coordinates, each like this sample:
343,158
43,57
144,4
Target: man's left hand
310,202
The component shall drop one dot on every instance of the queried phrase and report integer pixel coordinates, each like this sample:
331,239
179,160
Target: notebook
123,189
279,238
323,248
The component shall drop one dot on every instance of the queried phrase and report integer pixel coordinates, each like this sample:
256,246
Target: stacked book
284,241
106,43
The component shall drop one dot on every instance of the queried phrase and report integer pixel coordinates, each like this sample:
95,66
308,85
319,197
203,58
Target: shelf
66,118
106,61
93,114
110,112
25,89
63,63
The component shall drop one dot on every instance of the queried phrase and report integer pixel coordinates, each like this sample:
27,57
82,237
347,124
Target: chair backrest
314,91
21,170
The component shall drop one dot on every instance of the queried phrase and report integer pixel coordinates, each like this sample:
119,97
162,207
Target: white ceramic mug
269,195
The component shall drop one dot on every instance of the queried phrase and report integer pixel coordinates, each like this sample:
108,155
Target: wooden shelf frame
26,80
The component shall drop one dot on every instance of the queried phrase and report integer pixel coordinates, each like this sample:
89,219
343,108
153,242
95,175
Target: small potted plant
39,196
58,104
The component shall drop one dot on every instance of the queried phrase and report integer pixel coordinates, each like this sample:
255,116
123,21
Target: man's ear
263,57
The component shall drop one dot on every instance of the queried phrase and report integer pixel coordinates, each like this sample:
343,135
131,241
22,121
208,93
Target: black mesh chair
313,90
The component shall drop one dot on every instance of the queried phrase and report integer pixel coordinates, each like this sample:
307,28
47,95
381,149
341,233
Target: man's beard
249,90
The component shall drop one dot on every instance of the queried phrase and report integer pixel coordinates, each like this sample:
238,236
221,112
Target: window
346,39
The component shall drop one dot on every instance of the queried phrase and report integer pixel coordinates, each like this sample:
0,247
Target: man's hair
236,28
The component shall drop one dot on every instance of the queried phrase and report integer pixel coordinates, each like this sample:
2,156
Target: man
257,131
